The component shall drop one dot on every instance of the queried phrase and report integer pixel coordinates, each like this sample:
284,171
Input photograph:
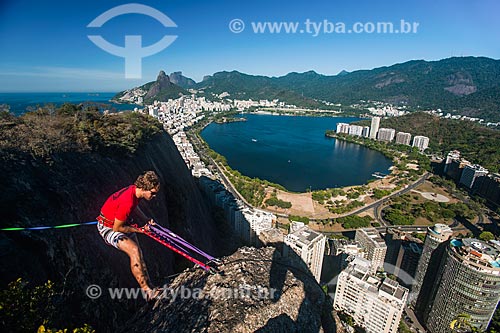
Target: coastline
308,113
303,203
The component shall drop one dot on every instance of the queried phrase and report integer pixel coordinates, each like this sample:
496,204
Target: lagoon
293,151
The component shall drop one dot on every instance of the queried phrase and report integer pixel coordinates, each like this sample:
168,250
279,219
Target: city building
428,265
488,187
255,221
468,283
386,134
343,128
374,246
341,252
355,130
421,142
474,177
374,127
403,138
452,155
272,237
455,167
375,304
366,132
309,245
470,173
349,247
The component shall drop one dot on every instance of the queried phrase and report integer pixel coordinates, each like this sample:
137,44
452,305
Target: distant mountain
469,85
244,86
160,90
182,81
463,85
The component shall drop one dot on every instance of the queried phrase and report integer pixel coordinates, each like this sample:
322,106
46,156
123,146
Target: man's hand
146,226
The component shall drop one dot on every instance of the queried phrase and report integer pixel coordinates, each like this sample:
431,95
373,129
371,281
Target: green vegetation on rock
73,128
26,308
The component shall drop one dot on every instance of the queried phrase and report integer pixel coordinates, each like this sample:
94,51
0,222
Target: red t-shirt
120,204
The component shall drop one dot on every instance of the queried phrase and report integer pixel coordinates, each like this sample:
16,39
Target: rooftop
305,235
360,269
478,251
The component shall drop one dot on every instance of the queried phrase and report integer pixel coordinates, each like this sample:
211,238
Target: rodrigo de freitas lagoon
293,151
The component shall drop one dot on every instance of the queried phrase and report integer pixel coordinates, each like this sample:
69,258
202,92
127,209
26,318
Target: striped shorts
113,237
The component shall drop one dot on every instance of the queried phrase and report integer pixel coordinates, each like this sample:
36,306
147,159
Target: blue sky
45,45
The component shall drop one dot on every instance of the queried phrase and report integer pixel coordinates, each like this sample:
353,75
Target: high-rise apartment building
374,127
309,245
386,134
366,132
489,188
356,130
343,128
374,246
429,262
421,142
253,223
403,138
374,303
470,173
452,155
468,283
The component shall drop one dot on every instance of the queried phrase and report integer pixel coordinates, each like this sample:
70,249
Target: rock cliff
69,185
257,291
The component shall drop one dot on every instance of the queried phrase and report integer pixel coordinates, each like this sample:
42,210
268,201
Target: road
406,228
222,176
387,198
376,205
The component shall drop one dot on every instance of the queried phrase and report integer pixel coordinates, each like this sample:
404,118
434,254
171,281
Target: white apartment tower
375,248
343,128
253,223
374,127
421,142
403,138
356,130
386,134
374,303
309,245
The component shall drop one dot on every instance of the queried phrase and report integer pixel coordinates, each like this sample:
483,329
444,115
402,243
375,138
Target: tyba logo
133,52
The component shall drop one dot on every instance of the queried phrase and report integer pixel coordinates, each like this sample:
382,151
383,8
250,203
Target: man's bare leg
137,265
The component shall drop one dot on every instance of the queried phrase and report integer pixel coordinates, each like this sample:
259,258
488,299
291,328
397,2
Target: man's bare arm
121,227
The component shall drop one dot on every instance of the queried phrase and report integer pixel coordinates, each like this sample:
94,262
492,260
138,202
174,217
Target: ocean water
19,102
294,152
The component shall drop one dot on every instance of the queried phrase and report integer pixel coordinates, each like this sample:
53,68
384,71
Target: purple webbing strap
172,237
178,239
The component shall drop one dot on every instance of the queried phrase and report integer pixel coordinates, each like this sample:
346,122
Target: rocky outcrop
70,187
182,81
160,90
257,290
162,83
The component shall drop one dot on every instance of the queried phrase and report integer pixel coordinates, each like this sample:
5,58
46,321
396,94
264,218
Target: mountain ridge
464,85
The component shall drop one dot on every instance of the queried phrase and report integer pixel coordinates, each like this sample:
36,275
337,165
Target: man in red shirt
114,229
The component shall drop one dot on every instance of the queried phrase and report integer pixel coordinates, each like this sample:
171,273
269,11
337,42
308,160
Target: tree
486,236
403,328
462,323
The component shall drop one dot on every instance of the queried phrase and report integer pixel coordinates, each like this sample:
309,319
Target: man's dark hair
148,181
